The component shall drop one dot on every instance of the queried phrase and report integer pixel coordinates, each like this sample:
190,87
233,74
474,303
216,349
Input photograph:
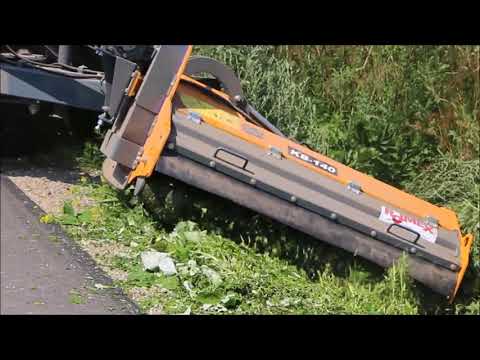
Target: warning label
426,231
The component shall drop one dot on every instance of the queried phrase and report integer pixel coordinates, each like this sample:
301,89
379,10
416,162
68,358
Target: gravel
48,187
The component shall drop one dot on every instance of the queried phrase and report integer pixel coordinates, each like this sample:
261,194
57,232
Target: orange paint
155,143
160,129
465,248
135,84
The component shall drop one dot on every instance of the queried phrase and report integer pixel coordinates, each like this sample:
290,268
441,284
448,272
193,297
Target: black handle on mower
404,228
234,155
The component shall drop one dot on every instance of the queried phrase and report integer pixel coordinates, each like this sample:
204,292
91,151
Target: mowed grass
218,275
408,115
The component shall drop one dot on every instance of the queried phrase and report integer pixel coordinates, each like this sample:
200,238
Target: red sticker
427,232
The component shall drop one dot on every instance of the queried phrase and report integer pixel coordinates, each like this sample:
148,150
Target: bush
384,110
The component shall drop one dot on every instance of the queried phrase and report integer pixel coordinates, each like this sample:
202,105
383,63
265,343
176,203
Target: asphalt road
45,272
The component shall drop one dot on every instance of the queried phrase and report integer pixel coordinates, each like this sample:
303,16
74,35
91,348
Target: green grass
408,115
218,275
384,110
76,298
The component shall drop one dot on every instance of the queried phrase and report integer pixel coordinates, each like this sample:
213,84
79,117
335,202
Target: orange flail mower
202,131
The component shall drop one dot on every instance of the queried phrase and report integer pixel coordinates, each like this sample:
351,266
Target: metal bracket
27,83
354,187
194,117
431,221
139,185
225,75
276,153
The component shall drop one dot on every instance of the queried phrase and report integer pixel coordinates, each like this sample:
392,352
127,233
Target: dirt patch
139,294
117,274
48,187
105,250
104,253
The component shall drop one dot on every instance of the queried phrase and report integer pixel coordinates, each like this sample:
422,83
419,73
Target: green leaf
85,217
47,219
169,282
130,221
182,253
231,301
183,226
209,297
194,236
69,220
213,277
68,208
139,277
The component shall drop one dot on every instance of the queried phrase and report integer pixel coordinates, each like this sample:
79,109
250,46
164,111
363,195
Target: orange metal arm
160,129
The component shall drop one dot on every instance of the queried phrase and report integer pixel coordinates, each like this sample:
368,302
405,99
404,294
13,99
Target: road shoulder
43,271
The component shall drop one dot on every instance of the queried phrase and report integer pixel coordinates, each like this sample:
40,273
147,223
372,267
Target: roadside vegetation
408,115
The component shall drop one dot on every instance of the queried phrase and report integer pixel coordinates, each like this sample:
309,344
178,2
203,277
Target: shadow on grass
171,201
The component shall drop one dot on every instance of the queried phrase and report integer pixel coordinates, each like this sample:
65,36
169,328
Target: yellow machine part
160,130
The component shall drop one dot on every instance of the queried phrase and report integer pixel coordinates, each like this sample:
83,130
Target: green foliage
217,275
383,110
70,216
90,157
76,298
139,277
455,184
